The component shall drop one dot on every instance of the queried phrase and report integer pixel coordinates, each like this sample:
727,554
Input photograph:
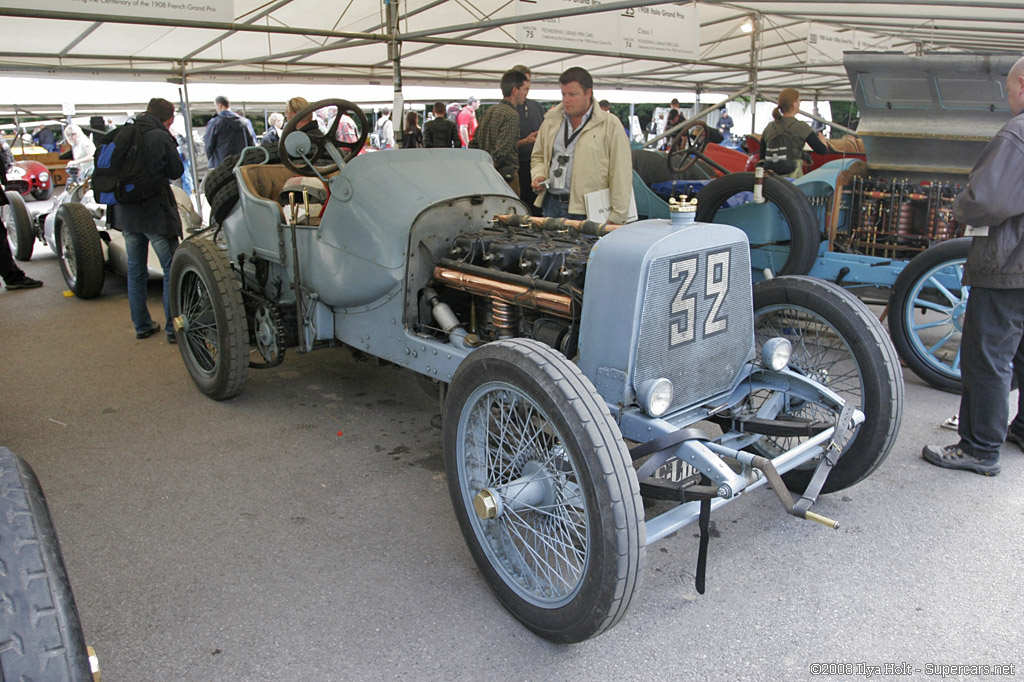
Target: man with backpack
384,131
152,218
227,133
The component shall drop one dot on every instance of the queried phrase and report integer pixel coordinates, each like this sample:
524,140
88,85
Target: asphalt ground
303,531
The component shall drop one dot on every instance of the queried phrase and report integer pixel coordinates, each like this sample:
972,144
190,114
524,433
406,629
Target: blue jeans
137,249
553,208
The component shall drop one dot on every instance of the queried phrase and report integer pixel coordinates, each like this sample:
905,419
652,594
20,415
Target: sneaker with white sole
954,457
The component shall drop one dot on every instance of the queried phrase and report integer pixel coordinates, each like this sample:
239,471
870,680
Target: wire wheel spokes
819,352
67,253
196,306
541,544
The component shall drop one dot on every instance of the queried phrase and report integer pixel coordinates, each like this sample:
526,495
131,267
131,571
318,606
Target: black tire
79,250
220,176
840,343
931,282
40,631
207,299
43,194
223,201
801,247
20,233
599,522
221,185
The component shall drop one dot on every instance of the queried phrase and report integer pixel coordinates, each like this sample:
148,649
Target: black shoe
953,457
24,283
172,339
1014,438
153,329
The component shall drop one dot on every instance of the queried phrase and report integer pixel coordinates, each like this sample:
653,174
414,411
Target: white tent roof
459,43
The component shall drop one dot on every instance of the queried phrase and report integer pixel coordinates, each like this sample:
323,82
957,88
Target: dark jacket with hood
159,213
226,134
995,198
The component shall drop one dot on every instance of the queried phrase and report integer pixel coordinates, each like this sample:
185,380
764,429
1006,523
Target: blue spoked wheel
926,312
543,489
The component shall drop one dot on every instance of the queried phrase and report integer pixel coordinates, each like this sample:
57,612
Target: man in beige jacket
580,149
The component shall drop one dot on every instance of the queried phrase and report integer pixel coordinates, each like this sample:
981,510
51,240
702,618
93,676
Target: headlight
655,396
44,177
775,353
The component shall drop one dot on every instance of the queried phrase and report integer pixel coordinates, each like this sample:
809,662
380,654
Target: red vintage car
30,176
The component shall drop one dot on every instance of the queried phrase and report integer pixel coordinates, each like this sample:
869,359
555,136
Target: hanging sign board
827,47
598,32
664,30
191,10
661,31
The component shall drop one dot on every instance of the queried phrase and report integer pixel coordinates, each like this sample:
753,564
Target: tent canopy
460,43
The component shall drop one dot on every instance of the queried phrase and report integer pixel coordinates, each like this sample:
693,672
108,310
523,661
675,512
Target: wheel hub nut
486,505
179,323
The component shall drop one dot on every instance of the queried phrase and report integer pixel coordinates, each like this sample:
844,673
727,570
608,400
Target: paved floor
302,531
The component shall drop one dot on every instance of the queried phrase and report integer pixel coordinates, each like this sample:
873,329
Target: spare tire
223,201
800,250
220,179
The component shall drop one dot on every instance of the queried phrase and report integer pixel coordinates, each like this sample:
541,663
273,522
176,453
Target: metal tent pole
395,55
197,197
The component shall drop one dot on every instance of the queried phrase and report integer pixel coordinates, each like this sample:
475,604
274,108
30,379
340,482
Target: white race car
76,230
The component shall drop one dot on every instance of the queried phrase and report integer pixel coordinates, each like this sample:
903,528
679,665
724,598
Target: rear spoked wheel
209,318
543,489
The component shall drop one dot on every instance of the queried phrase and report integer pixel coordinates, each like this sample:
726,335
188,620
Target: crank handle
823,520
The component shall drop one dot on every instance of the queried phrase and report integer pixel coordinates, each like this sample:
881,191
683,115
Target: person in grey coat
154,221
992,344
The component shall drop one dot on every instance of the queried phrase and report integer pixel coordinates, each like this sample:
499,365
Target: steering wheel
688,146
320,142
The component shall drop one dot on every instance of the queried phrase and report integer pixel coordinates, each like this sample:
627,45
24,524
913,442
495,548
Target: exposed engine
897,218
518,277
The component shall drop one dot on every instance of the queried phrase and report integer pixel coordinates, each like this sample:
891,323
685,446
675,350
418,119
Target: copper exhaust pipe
559,304
584,226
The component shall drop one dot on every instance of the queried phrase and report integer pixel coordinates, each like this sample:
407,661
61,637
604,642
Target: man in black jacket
992,345
154,221
439,131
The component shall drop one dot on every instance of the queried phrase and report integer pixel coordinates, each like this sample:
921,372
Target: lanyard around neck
568,124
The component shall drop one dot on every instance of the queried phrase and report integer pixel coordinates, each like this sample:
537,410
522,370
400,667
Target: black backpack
782,151
121,175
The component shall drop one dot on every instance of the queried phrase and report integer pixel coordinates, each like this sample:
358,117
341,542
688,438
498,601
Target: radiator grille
697,326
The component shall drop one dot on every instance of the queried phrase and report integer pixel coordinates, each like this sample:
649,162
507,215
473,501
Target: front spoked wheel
543,489
837,342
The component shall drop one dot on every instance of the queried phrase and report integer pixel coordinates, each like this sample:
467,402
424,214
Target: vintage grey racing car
553,344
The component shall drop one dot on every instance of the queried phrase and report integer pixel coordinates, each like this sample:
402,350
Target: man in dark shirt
498,132
440,131
992,345
531,115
